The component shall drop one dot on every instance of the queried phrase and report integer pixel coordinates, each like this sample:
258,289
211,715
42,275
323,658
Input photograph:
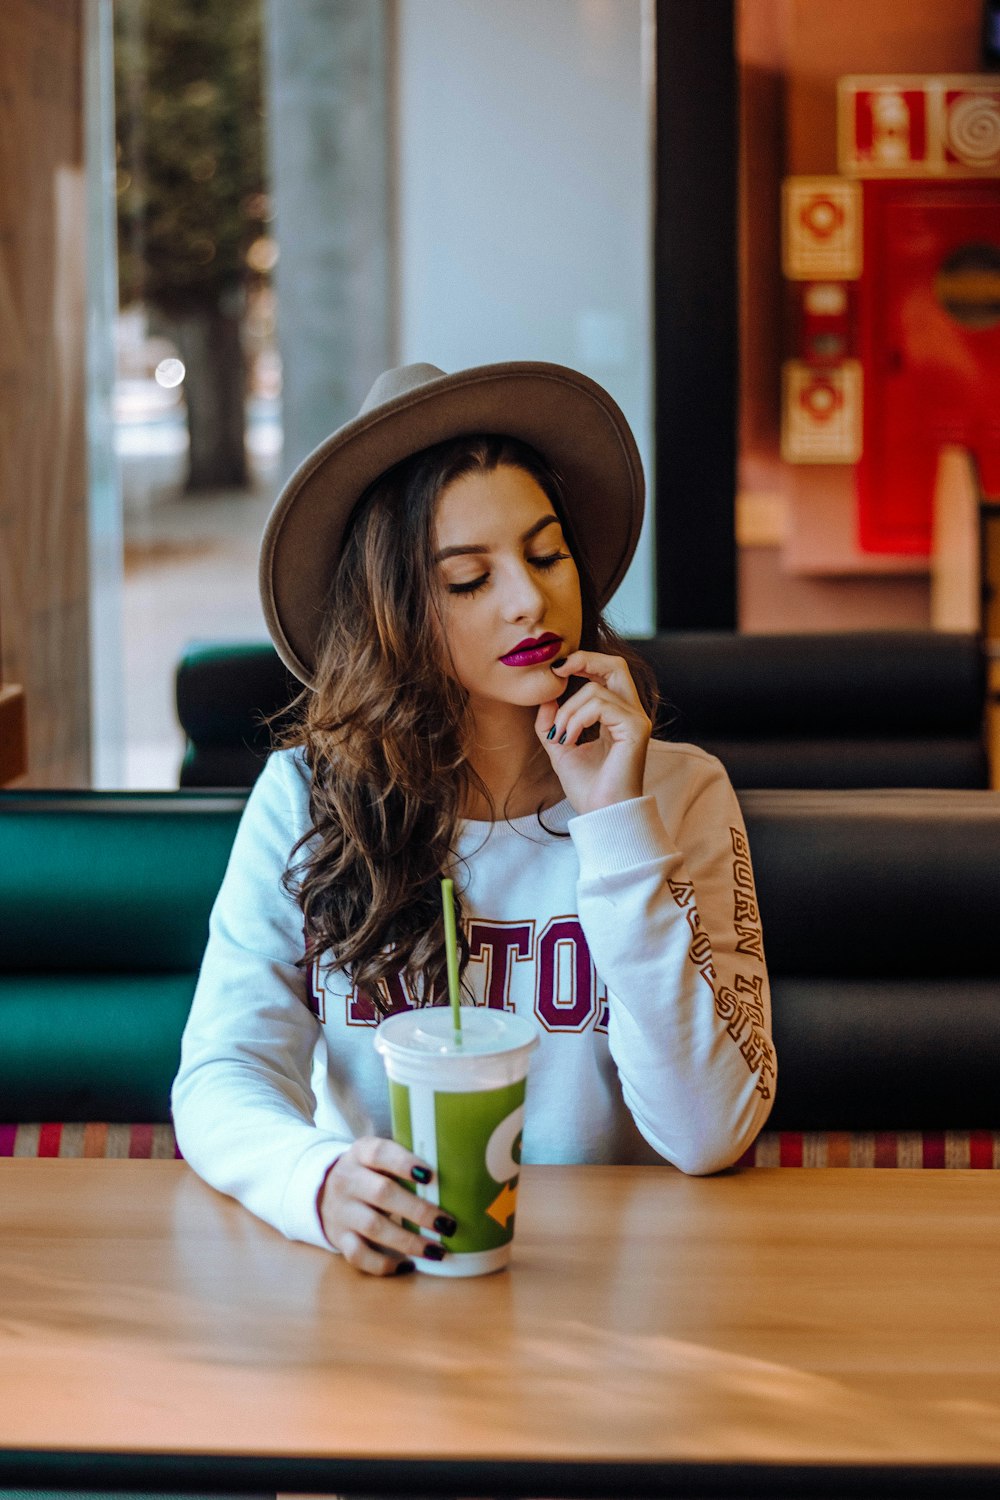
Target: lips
530,653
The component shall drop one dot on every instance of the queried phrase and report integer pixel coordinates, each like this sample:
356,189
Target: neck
506,756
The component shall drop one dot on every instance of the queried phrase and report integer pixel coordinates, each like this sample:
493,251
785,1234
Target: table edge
241,1474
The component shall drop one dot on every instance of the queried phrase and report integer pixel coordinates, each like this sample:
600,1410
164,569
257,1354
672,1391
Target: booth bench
879,920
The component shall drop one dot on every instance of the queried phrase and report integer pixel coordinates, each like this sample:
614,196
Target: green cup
461,1109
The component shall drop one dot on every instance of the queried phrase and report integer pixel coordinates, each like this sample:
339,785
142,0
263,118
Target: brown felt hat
566,416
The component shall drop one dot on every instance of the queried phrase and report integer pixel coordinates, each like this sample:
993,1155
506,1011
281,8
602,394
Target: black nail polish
562,739
433,1252
445,1224
551,733
420,1174
404,1268
560,661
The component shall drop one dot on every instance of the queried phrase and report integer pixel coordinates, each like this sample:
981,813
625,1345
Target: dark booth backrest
851,709
860,709
880,921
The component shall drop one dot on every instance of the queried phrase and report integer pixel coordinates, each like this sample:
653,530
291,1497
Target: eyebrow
478,550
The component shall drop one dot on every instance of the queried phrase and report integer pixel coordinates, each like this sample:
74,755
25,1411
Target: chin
524,695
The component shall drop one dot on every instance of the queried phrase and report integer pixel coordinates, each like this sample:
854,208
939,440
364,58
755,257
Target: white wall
523,176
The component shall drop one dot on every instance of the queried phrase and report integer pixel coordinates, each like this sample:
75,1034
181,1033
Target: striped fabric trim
882,1148
93,1138
787,1148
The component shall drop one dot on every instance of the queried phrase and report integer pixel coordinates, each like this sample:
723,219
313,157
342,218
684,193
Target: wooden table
770,1332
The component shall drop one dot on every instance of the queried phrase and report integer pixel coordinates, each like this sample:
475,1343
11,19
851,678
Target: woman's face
509,588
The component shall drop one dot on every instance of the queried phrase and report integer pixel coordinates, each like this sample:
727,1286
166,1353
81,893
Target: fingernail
560,661
404,1268
551,733
562,738
434,1252
420,1174
445,1224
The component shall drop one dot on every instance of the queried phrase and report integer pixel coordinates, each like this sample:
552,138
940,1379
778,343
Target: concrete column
329,154
105,527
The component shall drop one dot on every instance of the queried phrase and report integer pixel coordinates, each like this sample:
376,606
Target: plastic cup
461,1110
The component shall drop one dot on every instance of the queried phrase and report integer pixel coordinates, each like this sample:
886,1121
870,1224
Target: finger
388,1156
387,1196
622,721
388,1235
546,717
581,719
611,670
364,1257
581,702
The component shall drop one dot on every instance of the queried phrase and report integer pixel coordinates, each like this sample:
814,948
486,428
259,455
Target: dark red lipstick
532,653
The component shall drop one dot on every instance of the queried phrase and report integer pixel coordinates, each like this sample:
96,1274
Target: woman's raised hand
363,1198
608,768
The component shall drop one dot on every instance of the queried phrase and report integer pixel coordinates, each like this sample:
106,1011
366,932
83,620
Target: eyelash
475,584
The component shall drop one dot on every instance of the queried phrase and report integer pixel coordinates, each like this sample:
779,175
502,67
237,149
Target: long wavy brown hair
386,733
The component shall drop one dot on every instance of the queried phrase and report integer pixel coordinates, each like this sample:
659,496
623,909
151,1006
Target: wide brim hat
566,416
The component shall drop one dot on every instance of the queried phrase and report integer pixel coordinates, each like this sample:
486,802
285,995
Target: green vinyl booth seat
104,905
879,921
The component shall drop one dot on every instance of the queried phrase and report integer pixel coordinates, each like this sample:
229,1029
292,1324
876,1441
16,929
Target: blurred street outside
190,562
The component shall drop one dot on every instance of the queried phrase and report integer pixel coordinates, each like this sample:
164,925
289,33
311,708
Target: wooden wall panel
43,471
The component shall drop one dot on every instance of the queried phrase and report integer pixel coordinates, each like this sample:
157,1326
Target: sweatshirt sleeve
243,1103
668,906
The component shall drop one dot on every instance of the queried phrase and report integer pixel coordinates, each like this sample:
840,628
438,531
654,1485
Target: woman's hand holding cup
362,1200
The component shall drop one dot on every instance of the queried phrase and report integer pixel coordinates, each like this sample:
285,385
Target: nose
523,596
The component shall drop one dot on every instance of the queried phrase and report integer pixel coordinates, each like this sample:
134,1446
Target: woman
433,574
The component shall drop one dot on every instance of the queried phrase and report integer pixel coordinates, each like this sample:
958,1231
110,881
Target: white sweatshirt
634,943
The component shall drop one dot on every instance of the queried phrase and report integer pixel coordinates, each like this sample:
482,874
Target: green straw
451,954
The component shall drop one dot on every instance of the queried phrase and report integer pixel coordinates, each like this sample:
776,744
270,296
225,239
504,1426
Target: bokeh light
169,372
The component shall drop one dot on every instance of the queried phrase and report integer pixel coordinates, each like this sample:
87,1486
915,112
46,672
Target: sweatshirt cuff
620,837
300,1204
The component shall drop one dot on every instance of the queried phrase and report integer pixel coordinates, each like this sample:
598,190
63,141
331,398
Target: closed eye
472,587
543,563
